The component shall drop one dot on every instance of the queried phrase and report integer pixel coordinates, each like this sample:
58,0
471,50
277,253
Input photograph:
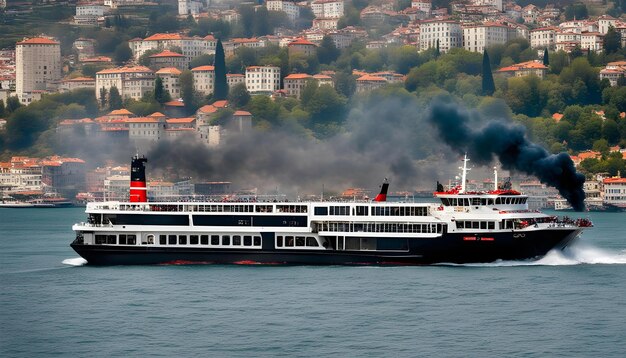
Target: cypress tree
1,108
103,97
160,94
115,100
437,52
546,59
488,86
221,86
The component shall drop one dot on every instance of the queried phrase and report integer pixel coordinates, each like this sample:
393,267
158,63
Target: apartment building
204,79
131,82
327,8
190,46
291,8
171,80
477,37
262,79
448,32
37,66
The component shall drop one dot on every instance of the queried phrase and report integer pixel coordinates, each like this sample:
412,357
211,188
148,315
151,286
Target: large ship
463,227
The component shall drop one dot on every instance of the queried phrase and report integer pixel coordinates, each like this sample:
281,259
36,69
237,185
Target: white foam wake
575,255
77,261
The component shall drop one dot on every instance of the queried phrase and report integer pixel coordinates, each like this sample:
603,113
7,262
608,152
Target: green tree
327,52
345,83
188,93
103,97
546,59
488,86
576,11
1,109
621,81
13,103
122,53
160,94
612,41
115,100
238,96
221,85
202,60
144,59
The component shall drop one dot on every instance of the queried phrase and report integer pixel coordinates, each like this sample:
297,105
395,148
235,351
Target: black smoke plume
509,144
382,140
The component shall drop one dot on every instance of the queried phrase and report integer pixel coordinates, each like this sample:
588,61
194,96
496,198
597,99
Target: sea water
567,304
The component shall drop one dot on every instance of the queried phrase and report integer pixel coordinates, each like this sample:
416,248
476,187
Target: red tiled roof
143,120
125,70
174,104
242,113
169,71
181,120
614,181
167,53
162,37
203,68
301,41
298,76
221,103
120,112
207,109
157,114
369,77
38,41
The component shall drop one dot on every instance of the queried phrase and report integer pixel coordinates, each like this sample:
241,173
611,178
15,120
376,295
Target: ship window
279,241
460,224
289,241
122,239
150,239
131,239
445,201
310,241
204,239
475,224
353,243
263,208
483,224
101,239
171,239
475,201
490,225
498,200
193,239
321,210
182,239
299,241
111,239
339,243
247,241
162,239
361,210
237,240
257,241
490,201
215,240
226,240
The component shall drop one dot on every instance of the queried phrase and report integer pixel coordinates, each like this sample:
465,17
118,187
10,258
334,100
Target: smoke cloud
508,143
391,139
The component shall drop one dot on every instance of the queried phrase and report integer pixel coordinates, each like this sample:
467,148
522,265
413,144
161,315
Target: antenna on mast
495,178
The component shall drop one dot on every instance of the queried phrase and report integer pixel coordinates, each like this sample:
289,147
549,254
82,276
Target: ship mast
495,178
464,173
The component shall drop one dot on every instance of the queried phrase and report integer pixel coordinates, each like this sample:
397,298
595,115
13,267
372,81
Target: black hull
450,248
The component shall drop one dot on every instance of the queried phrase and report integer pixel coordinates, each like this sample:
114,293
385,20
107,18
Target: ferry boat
463,227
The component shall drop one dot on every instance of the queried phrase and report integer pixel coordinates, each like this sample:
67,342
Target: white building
190,46
113,4
131,82
171,80
146,129
604,22
480,36
327,8
262,79
615,191
543,38
448,32
422,5
291,8
88,14
189,7
38,66
591,41
204,79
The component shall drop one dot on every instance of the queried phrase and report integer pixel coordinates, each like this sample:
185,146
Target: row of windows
112,239
212,240
481,201
376,210
296,241
467,224
380,227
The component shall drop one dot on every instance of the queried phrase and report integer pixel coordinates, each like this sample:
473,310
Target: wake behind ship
464,227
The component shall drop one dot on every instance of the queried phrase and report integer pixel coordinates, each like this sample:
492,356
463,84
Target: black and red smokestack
382,196
138,189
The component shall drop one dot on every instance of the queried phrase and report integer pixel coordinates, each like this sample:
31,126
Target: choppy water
566,304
